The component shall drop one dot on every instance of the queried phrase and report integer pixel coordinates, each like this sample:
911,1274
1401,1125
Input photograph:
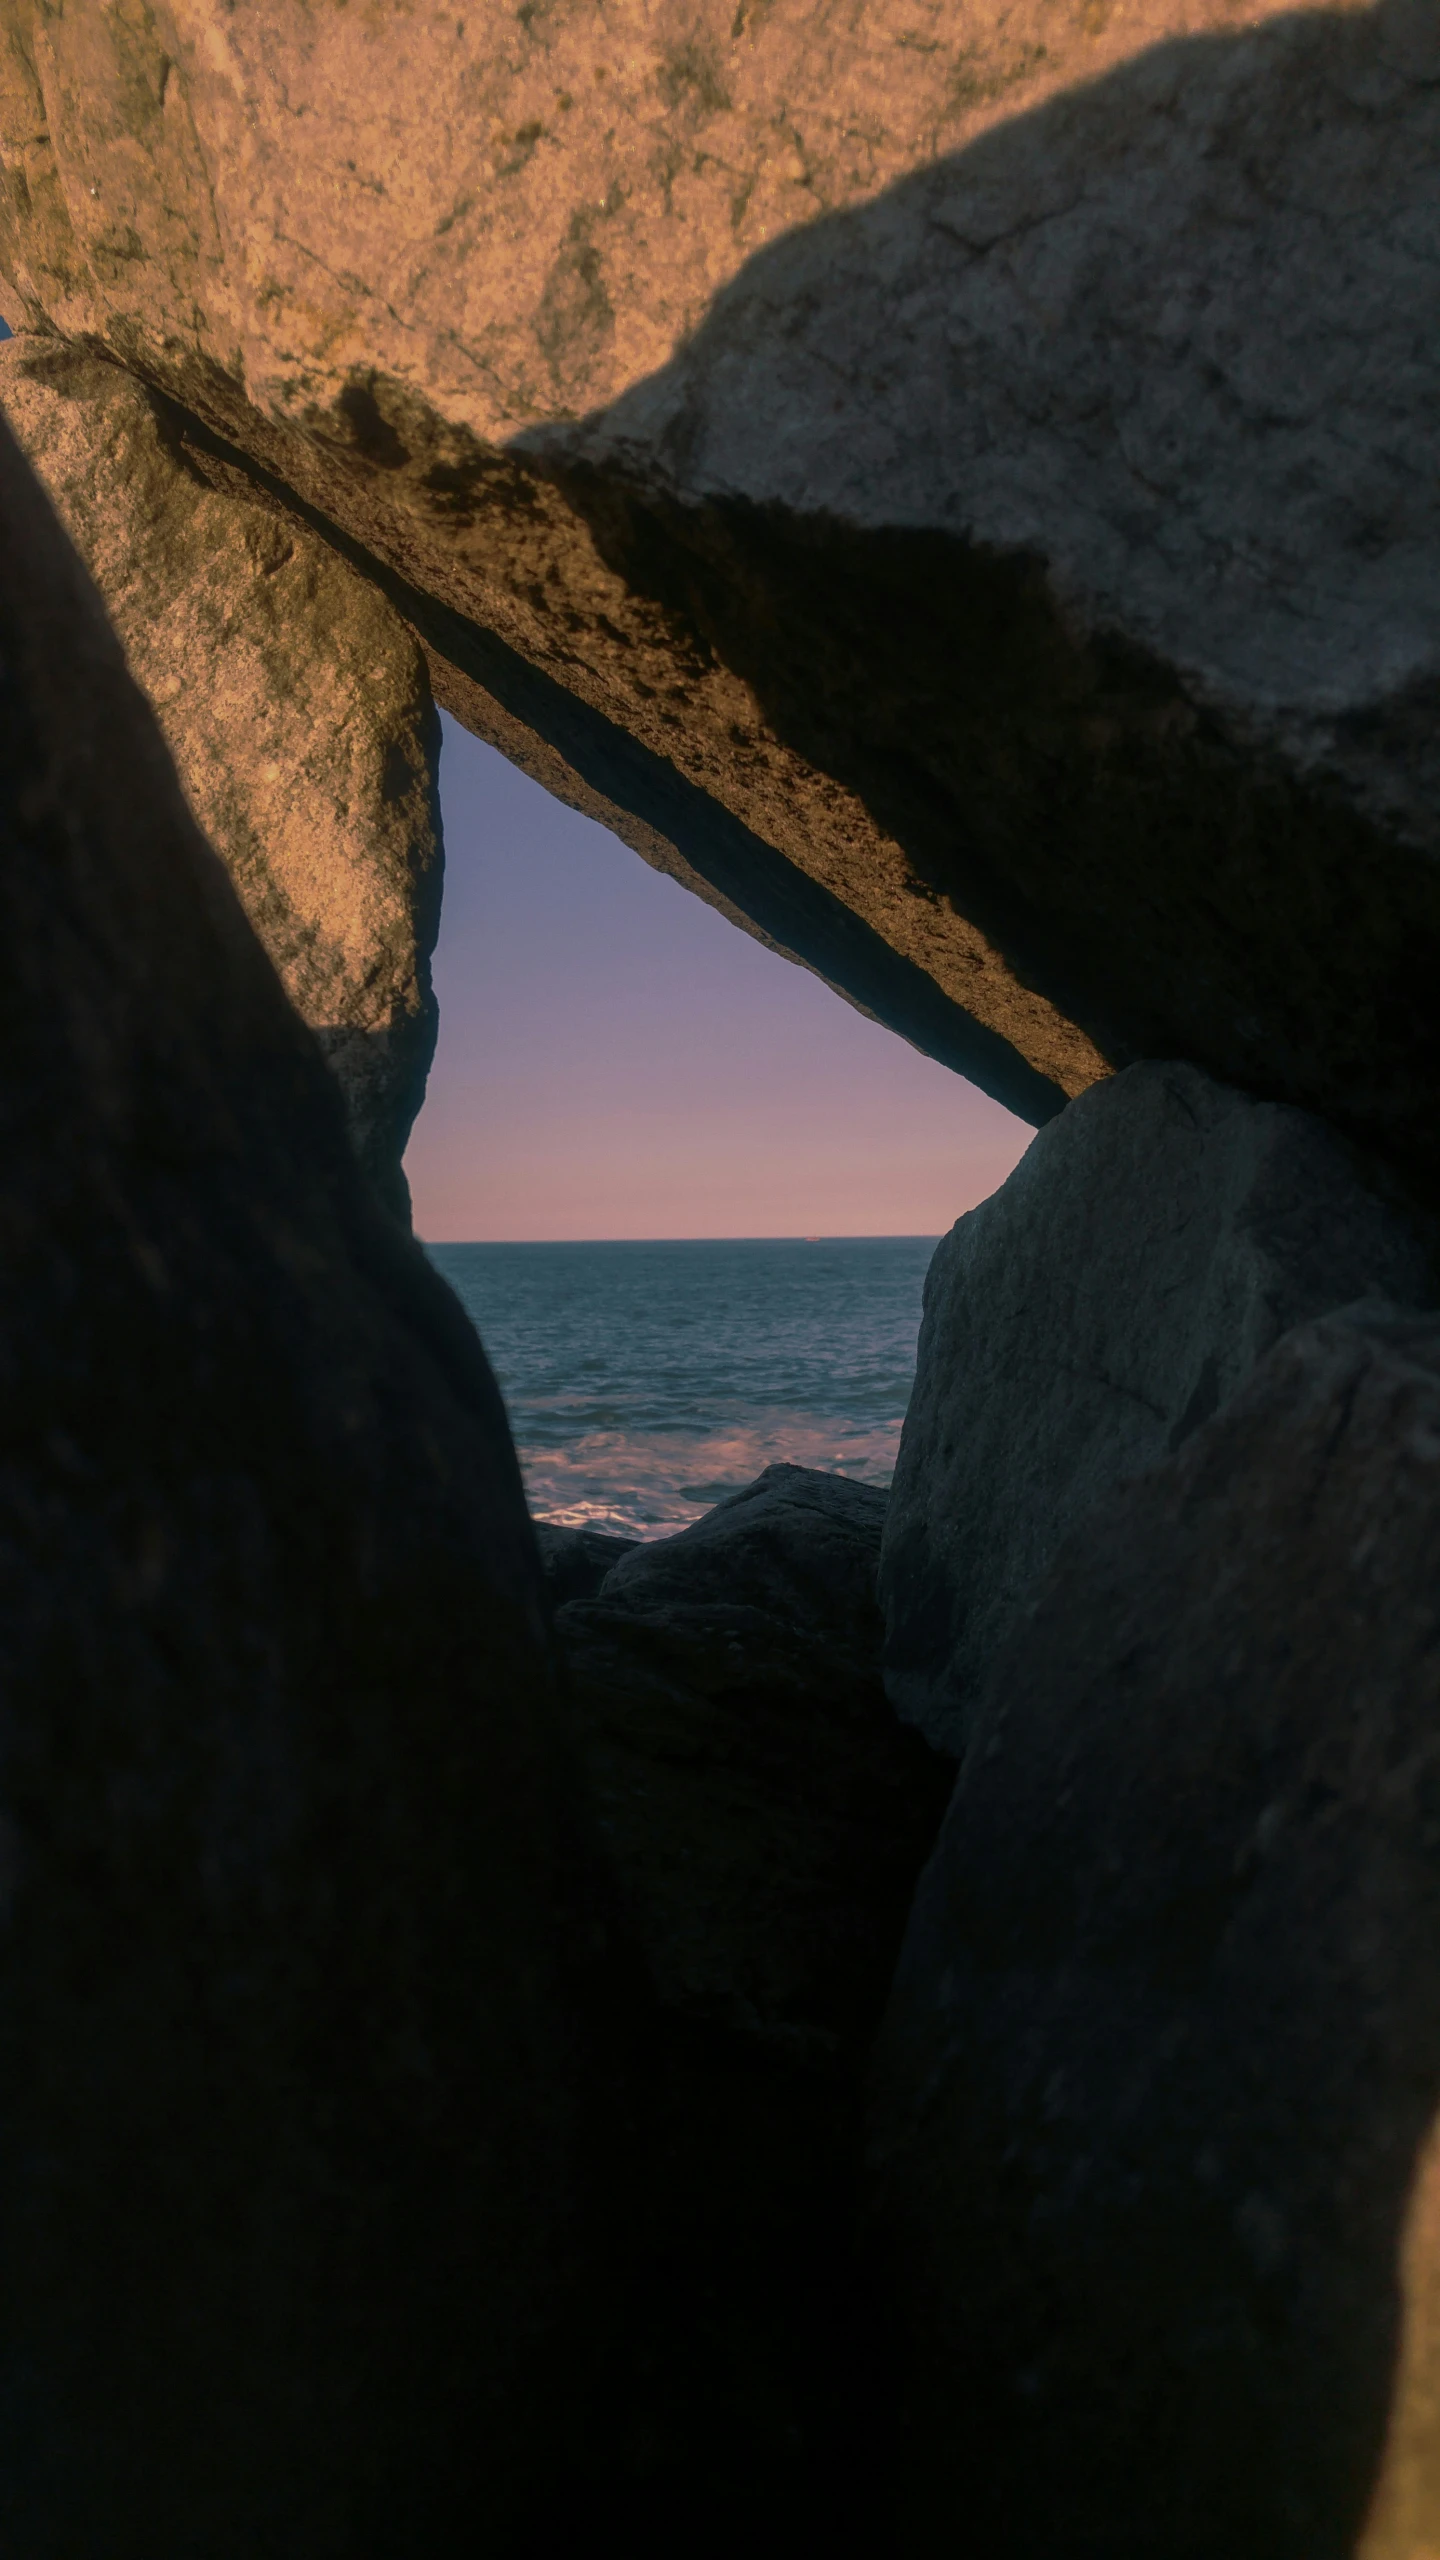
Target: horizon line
920,1235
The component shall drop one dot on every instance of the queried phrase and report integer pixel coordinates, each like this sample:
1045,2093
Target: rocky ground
900,2024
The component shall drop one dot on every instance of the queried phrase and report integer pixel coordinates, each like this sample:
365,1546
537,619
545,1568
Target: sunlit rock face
1148,1249
301,1942
295,703
1155,2137
953,486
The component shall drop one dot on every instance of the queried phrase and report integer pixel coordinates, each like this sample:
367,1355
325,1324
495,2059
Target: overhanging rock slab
958,492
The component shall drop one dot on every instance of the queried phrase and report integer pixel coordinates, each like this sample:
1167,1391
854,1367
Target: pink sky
616,1060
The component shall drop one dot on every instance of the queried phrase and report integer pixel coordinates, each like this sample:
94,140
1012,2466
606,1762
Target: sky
616,1060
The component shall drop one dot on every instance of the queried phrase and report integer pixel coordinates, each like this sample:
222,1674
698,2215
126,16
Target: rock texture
953,486
296,706
756,1792
300,1932
1156,2142
576,1561
1147,1250
766,1818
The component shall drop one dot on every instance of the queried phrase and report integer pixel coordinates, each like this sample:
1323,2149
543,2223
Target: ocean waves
648,1484
647,1381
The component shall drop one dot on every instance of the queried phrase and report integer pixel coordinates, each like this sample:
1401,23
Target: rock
296,706
797,1545
766,1811
302,1943
1156,2134
955,489
576,1561
1147,1250
766,1818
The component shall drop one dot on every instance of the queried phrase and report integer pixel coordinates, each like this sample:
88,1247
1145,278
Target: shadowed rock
954,490
765,1817
1148,1249
761,1802
295,704
300,1935
1155,2142
576,1561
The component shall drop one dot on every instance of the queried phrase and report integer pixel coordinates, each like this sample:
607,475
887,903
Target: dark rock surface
576,1561
1155,2141
295,704
797,1545
1148,1249
301,1934
766,1818
758,1795
953,488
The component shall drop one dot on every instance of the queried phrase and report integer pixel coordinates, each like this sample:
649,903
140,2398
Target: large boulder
1158,2175
765,1818
294,702
765,1808
953,488
1150,1246
300,1933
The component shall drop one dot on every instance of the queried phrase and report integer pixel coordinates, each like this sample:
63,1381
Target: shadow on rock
306,1989
1154,2135
1069,504
766,1817
1148,1249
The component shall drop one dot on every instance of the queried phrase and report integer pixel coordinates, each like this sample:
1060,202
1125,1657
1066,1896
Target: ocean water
646,1381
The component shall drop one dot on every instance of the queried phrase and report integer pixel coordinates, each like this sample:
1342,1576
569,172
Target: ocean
646,1381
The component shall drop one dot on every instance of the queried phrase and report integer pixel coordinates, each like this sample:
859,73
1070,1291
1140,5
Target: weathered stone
953,486
1159,2088
766,1818
576,1561
767,1813
299,1929
797,1544
1150,1246
296,706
